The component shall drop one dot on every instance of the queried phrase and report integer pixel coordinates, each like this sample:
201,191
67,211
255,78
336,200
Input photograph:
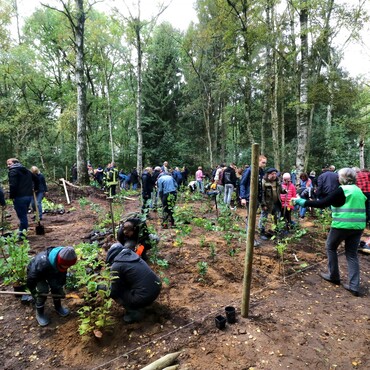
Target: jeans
200,186
39,197
229,188
351,240
21,205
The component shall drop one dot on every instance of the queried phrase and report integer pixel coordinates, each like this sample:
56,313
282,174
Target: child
48,271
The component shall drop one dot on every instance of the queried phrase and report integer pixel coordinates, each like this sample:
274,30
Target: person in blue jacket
167,190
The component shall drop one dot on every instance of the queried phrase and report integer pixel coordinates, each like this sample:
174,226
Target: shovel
40,230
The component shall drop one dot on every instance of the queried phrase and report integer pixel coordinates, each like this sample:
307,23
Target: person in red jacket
288,192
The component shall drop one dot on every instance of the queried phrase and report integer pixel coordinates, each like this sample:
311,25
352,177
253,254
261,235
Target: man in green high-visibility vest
348,223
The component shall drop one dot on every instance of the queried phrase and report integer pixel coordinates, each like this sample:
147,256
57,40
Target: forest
79,85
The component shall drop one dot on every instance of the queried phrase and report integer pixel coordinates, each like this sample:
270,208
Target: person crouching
136,286
48,271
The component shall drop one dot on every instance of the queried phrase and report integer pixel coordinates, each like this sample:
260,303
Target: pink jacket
199,175
285,198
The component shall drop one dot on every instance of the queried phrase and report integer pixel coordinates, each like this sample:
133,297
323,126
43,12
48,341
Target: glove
140,250
301,202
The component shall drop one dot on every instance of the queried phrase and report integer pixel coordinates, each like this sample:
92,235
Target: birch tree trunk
82,175
302,129
139,162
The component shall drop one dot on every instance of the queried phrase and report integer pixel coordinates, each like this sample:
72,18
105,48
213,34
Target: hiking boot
41,318
132,316
256,243
327,278
356,293
62,311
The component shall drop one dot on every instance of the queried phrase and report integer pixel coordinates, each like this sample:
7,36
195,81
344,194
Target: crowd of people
136,286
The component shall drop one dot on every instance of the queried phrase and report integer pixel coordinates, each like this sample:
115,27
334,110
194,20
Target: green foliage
95,316
49,206
183,214
88,262
14,259
202,268
323,218
212,251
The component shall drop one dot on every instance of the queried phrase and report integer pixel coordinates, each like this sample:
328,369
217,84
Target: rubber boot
62,311
41,318
133,316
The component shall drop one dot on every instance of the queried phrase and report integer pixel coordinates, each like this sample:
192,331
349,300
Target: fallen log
162,362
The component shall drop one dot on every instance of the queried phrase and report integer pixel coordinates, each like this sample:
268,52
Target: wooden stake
65,190
252,211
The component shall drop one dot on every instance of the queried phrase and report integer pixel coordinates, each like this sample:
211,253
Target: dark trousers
168,203
351,240
21,205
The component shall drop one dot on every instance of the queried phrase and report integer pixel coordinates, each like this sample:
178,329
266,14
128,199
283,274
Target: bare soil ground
295,321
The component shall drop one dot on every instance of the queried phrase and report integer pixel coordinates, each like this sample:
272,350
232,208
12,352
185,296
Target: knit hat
270,170
66,257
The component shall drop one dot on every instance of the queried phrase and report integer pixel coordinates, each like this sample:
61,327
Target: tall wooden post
252,211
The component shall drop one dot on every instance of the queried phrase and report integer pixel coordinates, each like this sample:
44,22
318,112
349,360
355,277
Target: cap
66,257
270,170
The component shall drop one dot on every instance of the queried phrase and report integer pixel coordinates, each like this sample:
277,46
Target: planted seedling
15,258
202,269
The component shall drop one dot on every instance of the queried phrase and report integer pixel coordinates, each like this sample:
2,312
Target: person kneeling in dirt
134,234
136,285
48,270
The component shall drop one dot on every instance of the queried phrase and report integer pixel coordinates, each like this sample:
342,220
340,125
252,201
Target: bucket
220,322
230,314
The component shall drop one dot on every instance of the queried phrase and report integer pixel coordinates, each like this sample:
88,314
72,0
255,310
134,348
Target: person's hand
299,201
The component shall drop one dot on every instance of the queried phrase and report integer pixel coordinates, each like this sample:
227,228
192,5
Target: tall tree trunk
302,129
139,161
82,175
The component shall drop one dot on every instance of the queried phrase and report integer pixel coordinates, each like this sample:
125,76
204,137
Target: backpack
227,177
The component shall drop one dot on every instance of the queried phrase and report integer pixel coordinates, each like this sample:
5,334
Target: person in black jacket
136,285
40,192
147,188
22,183
229,182
48,271
2,199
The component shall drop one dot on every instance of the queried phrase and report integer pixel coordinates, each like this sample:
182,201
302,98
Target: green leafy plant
202,241
202,269
15,258
49,206
212,251
233,251
94,315
228,237
80,274
83,202
323,218
183,214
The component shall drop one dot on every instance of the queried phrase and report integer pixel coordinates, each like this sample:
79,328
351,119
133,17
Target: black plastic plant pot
220,322
230,314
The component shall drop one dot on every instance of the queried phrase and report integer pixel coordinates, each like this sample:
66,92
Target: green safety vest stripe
360,219
341,210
